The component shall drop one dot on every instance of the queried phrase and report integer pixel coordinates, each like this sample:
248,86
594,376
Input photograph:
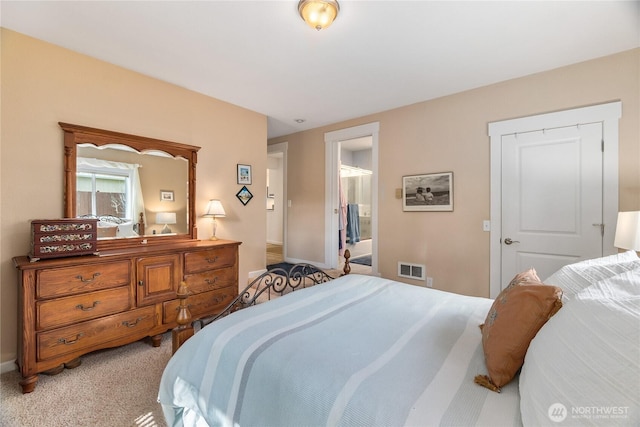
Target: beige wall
43,84
450,134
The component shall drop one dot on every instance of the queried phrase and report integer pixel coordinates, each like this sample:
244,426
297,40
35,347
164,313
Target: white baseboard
7,366
253,274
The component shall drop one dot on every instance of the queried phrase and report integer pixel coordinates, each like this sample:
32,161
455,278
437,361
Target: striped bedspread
356,351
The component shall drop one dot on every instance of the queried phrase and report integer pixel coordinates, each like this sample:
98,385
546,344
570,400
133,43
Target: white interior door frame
282,148
608,114
332,156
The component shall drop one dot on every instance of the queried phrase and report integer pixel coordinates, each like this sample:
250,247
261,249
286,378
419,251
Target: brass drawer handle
132,324
211,282
83,280
83,308
65,342
212,260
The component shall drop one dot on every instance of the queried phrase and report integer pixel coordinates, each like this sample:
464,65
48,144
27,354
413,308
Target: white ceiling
377,55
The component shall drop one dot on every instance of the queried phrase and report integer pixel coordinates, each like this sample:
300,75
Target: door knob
508,241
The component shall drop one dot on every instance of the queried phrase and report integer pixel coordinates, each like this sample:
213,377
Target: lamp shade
215,209
628,231
318,14
166,218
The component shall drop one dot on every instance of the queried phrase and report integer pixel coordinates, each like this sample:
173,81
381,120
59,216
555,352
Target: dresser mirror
141,190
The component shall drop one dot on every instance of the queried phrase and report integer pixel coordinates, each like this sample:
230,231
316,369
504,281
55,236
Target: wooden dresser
72,306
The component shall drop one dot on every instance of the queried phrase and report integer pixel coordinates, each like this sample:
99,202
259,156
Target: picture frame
244,195
167,196
431,192
244,174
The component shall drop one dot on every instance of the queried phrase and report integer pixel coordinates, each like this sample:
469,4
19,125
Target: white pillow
573,278
126,230
583,366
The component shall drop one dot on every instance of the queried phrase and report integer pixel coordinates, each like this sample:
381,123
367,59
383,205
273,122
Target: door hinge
601,228
602,145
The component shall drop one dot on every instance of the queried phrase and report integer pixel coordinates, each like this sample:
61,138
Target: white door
552,203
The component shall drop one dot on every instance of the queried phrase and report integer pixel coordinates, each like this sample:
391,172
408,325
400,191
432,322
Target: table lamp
166,218
214,210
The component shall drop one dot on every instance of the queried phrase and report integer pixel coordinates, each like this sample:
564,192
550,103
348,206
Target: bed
362,350
110,226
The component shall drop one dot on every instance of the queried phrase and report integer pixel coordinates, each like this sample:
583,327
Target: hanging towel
353,223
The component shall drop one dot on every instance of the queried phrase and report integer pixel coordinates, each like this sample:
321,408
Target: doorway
554,190
275,203
346,143
355,195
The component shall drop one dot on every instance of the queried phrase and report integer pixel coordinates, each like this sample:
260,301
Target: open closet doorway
275,203
352,196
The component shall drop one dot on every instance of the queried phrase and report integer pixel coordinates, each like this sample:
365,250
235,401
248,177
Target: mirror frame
76,134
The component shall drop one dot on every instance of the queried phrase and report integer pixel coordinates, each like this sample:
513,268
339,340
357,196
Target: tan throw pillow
515,317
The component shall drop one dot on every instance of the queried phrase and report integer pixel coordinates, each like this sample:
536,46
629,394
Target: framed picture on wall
428,192
167,196
244,195
244,174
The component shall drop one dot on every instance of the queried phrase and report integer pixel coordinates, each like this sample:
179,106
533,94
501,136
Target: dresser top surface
25,263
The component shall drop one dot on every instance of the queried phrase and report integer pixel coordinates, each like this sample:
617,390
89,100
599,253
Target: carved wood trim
76,134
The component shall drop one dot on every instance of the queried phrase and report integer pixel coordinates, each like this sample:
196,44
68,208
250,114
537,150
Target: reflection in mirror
116,184
129,182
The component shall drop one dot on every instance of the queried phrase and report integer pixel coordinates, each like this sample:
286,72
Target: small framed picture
428,192
244,195
166,196
244,174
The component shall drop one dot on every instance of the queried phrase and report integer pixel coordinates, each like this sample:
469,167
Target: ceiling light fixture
318,14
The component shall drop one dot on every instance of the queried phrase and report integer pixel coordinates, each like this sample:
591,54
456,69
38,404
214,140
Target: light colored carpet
111,388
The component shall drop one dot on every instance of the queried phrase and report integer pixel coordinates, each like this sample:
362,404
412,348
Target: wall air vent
412,271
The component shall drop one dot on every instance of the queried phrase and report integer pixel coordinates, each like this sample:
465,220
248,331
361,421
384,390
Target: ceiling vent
412,271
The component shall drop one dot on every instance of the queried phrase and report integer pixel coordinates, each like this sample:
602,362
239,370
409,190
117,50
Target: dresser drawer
64,311
201,305
195,262
95,333
211,280
82,278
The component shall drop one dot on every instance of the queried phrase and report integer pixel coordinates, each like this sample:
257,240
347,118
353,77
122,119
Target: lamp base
214,225
165,229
